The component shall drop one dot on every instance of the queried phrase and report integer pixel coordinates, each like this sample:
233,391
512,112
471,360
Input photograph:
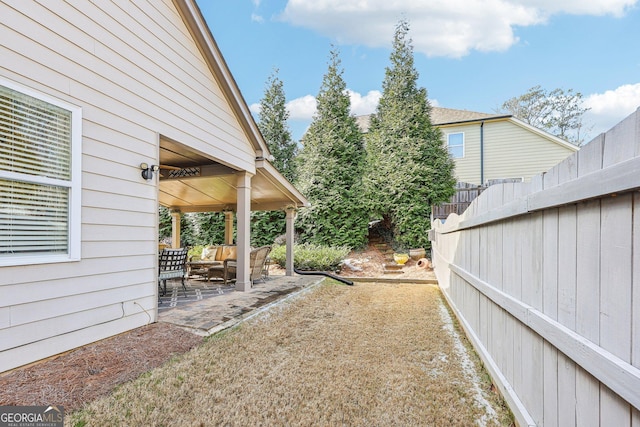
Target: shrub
195,252
307,256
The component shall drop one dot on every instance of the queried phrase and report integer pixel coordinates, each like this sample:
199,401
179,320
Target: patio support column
175,229
290,218
243,215
228,227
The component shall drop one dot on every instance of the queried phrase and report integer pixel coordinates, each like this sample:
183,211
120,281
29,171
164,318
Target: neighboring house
494,146
89,92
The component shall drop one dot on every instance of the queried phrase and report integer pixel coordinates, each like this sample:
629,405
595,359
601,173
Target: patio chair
257,260
172,265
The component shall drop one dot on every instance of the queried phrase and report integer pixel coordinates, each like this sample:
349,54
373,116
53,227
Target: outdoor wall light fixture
148,170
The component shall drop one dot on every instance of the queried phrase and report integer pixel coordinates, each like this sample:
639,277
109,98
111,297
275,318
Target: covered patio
191,181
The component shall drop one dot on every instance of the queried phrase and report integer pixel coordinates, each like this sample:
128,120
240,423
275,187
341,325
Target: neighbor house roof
441,116
444,116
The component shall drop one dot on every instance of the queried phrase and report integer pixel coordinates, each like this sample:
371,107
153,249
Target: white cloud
610,107
443,28
255,108
367,104
302,108
305,107
256,18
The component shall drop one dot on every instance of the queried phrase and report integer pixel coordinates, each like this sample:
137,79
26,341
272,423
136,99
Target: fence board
588,271
566,391
615,276
635,304
532,261
614,411
587,399
550,263
567,266
550,385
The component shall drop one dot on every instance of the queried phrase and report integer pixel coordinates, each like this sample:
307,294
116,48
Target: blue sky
471,54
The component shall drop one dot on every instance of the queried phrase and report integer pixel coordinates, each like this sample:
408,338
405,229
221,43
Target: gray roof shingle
441,116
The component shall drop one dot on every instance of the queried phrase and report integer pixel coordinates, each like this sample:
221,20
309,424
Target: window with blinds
36,176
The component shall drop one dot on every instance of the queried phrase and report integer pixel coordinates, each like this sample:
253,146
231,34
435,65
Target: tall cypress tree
266,226
331,167
409,167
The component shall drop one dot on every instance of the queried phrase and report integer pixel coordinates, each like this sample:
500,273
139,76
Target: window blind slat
35,136
33,218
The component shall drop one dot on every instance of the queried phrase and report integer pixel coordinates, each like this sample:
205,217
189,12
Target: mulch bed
74,378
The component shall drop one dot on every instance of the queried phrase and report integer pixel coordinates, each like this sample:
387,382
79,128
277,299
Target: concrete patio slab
226,309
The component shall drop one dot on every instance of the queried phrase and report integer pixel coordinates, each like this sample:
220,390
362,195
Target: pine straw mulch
80,376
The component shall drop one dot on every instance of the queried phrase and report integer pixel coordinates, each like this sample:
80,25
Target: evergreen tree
273,125
331,168
209,228
187,232
409,167
266,226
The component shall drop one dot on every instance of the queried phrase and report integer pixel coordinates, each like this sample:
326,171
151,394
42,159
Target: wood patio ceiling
190,182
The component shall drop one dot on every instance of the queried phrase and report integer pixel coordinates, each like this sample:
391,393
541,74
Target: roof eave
476,120
195,22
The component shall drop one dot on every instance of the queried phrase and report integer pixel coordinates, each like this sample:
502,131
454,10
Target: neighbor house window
40,142
455,142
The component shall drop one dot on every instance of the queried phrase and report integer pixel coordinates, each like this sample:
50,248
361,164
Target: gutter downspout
482,153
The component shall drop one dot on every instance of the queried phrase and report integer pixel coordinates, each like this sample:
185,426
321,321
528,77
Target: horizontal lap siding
137,74
575,264
468,167
514,152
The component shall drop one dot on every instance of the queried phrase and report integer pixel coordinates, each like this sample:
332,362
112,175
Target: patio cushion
209,253
226,252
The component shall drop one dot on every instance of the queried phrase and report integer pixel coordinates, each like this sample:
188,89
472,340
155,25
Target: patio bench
212,255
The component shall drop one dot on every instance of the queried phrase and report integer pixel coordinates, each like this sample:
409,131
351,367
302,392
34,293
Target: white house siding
136,73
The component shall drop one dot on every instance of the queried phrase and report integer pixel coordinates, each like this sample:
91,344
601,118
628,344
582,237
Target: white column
228,227
243,216
175,229
291,216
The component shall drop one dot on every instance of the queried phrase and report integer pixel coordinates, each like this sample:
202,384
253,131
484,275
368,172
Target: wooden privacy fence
545,279
465,194
460,201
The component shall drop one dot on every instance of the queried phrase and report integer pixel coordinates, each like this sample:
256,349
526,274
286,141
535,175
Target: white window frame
74,185
457,145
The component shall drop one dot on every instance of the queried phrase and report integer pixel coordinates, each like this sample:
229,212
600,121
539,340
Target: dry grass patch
371,354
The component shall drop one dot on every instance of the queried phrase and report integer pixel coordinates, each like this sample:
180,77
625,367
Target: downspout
482,153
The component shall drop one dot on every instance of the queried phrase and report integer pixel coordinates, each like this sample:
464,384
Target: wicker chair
172,265
257,260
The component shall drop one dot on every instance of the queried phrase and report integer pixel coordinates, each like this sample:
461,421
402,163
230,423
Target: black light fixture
148,170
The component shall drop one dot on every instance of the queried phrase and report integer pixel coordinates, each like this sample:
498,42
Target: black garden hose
322,273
